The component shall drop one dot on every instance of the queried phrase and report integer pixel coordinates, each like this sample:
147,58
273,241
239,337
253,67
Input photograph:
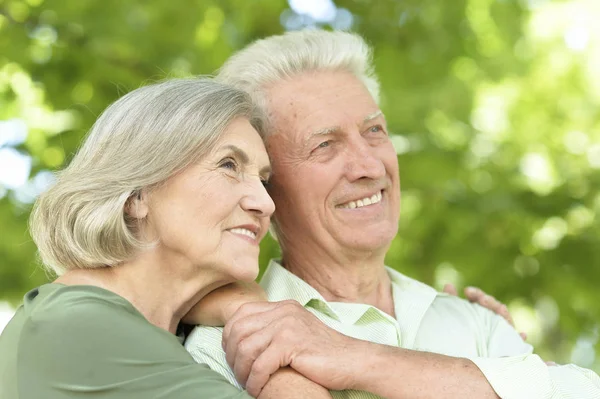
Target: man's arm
260,338
204,344
289,384
220,305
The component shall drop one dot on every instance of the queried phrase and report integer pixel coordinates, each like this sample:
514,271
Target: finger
271,360
247,352
491,303
240,329
503,311
497,307
450,289
250,311
474,294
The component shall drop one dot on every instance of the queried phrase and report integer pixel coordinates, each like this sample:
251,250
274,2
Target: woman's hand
477,295
216,308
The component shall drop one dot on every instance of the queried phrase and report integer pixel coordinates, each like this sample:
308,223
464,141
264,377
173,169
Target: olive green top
69,342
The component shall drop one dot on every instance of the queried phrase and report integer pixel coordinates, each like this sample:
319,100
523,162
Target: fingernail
471,290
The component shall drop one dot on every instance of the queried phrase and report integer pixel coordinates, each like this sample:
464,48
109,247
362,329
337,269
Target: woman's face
213,214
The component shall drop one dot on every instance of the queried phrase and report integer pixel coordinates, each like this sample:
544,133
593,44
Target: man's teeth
245,232
375,198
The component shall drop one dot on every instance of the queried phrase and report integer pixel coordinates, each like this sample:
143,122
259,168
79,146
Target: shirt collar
280,284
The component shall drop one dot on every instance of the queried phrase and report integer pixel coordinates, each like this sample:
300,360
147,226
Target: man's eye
265,182
375,129
324,144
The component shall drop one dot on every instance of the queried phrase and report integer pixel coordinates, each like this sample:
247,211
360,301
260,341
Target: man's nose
364,161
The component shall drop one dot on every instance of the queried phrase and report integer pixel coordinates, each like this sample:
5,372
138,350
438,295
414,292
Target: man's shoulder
405,282
208,337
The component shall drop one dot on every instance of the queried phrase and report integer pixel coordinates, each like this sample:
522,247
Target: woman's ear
136,206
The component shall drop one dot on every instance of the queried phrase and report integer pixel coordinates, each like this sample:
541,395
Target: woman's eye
265,182
229,164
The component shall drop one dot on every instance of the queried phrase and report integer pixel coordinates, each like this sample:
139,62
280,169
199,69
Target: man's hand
478,296
262,337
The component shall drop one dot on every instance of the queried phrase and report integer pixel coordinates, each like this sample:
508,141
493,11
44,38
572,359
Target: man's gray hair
267,61
139,141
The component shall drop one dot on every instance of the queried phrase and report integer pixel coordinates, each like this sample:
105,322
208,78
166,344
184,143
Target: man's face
335,172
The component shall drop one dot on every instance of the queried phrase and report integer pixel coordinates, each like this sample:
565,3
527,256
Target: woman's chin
245,272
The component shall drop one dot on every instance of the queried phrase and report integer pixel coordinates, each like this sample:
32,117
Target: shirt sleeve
204,344
97,348
514,371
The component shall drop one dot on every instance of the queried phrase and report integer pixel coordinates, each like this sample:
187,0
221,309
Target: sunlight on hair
319,10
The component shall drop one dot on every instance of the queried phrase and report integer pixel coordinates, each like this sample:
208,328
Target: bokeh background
494,105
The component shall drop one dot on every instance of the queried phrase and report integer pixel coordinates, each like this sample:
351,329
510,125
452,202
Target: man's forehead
319,103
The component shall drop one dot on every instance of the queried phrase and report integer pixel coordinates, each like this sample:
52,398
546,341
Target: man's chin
375,245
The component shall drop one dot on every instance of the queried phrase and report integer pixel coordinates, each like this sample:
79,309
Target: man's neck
352,280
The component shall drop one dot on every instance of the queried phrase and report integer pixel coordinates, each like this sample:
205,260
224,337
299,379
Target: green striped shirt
426,320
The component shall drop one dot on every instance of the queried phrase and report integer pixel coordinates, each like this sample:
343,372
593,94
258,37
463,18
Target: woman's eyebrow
243,157
238,152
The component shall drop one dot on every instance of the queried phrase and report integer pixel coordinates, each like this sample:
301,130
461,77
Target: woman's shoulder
86,339
83,300
99,322
83,312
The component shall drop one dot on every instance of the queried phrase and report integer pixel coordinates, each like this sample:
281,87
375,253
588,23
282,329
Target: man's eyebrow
325,131
372,116
332,129
321,132
243,157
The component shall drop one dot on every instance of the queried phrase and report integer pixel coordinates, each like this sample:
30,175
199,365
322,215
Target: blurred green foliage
494,105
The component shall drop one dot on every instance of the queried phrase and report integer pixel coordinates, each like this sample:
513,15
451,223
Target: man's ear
136,206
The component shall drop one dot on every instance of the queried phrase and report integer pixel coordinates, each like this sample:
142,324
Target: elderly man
354,326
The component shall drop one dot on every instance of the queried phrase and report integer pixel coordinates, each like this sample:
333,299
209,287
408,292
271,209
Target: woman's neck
161,294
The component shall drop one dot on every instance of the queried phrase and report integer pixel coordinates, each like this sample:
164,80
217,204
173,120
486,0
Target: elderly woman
163,203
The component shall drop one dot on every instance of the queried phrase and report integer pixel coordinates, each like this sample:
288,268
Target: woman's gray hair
267,61
139,141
